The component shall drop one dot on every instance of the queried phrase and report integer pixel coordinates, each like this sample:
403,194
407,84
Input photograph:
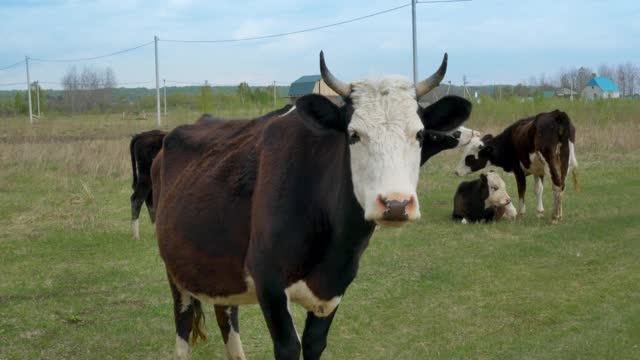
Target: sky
489,41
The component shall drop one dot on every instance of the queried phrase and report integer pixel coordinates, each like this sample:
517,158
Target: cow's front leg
314,338
521,181
538,187
275,308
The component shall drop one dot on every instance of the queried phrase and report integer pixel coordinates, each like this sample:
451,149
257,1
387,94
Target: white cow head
498,195
476,155
385,128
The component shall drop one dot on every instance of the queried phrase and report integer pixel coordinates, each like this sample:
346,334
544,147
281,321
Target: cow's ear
445,114
320,114
483,178
486,138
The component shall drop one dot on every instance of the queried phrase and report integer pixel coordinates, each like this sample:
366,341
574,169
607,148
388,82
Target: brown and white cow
540,145
280,210
143,148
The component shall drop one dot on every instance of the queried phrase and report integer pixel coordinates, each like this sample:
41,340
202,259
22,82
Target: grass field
74,285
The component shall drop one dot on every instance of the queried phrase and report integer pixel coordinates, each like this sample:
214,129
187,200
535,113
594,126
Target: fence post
155,40
26,61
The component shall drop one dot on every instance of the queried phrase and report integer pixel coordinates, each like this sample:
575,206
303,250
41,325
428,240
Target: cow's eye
353,137
494,188
420,136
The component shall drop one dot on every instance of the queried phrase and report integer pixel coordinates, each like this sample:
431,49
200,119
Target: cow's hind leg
137,199
314,338
149,202
537,189
227,317
187,314
557,178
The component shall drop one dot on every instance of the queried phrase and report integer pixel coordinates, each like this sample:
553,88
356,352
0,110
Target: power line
84,84
12,65
291,32
94,57
12,84
440,1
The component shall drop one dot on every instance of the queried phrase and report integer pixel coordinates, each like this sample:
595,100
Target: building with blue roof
600,88
311,84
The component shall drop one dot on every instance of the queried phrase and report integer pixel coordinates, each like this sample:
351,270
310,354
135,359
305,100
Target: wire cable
291,32
12,65
94,57
440,1
12,84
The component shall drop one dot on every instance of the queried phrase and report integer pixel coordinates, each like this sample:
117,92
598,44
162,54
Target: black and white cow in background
483,199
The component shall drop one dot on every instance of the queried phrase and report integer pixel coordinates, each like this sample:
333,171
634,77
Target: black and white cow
483,199
540,145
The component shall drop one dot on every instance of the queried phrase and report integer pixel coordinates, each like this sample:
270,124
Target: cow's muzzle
397,207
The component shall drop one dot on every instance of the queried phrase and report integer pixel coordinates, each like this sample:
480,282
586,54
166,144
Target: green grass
73,284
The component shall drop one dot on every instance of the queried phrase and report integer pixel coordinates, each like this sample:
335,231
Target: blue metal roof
303,85
605,84
548,93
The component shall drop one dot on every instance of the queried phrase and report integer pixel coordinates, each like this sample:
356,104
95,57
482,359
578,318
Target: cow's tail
567,136
197,329
573,164
134,168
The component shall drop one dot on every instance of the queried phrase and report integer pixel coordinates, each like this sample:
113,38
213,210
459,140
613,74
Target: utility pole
571,93
38,96
415,42
155,41
164,86
26,61
274,93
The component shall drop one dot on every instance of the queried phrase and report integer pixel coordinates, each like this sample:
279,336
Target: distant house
600,88
566,92
311,84
548,93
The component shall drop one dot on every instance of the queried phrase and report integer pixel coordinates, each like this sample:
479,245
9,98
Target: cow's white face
466,135
498,195
470,161
385,134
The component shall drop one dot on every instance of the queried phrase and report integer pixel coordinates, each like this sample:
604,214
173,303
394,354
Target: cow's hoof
540,214
555,221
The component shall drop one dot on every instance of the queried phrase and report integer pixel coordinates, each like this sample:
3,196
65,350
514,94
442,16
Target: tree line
93,90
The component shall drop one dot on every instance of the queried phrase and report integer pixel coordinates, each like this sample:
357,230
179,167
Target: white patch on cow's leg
233,345
557,204
464,221
537,189
182,348
135,229
185,301
521,207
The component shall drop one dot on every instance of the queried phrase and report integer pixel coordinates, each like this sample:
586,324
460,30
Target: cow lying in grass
483,199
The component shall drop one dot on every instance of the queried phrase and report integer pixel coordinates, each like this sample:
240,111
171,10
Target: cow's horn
430,83
343,89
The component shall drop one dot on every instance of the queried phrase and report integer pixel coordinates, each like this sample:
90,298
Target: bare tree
607,71
92,89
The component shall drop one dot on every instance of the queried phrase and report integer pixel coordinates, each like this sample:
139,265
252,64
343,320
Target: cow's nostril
508,201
